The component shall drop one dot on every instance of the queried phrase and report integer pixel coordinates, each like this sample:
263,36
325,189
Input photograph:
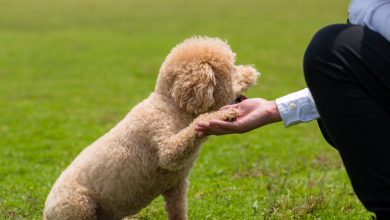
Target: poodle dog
152,150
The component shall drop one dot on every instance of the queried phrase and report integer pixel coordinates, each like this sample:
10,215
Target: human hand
253,113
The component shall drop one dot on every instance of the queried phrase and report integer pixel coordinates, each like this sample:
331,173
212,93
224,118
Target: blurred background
70,70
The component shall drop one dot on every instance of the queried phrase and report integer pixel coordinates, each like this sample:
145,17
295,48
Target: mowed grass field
70,70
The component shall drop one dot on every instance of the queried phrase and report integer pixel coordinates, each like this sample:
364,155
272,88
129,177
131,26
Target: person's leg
347,69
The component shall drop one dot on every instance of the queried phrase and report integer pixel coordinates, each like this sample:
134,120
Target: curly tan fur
152,150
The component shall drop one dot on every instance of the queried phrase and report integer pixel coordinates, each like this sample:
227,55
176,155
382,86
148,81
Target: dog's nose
239,99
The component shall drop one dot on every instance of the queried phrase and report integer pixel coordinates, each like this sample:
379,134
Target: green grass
70,70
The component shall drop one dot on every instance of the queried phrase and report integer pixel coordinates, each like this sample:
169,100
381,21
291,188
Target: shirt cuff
297,107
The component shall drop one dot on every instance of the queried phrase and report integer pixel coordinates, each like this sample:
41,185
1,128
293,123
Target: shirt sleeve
297,107
380,20
375,14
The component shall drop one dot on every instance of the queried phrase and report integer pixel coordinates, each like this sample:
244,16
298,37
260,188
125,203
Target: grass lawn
70,70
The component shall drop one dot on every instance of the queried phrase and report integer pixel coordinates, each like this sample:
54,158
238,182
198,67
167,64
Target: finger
233,126
217,131
202,134
202,124
206,129
213,130
229,106
200,128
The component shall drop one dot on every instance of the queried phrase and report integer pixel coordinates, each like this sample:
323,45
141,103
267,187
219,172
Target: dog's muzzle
239,99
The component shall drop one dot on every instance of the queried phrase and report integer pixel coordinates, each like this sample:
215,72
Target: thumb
233,126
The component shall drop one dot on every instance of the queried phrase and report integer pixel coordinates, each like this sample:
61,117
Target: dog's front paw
230,114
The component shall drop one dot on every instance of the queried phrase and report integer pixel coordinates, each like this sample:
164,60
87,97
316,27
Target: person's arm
374,14
253,113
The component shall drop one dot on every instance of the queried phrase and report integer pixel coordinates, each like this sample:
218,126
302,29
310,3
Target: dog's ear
193,90
245,77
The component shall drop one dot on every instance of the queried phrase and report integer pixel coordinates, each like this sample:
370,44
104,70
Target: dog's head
200,75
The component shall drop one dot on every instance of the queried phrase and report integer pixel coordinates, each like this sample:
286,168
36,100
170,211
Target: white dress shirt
299,106
375,14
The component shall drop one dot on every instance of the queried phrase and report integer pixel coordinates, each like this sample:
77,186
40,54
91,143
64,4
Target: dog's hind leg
176,201
69,206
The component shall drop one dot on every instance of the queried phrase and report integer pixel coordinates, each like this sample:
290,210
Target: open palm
253,113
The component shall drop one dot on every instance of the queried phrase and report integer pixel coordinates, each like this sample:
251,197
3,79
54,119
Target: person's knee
328,46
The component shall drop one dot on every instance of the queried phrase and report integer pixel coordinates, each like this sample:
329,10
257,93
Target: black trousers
347,69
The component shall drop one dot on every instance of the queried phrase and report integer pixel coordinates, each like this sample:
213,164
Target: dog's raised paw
230,114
